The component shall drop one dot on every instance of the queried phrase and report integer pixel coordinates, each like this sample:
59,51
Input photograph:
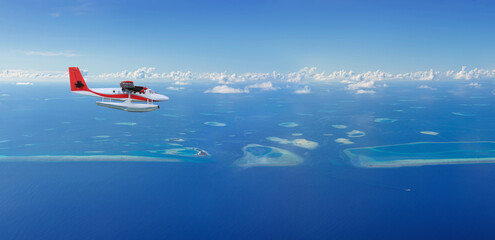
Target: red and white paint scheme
126,93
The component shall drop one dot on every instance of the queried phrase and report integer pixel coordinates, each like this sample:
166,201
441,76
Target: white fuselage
118,94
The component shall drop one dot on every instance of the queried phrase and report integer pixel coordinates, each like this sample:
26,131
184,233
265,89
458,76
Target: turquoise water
256,155
288,124
423,153
385,120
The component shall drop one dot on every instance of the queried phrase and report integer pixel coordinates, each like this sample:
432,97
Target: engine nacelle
127,86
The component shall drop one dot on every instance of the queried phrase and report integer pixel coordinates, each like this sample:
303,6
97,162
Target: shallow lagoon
356,133
385,120
343,141
215,124
256,155
429,133
183,152
86,158
422,153
126,123
288,124
300,142
463,114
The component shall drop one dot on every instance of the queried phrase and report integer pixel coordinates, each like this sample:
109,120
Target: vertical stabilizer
77,82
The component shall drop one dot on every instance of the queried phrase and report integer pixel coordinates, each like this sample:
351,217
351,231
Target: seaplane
124,96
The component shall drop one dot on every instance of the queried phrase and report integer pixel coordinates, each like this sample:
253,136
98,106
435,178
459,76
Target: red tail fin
77,82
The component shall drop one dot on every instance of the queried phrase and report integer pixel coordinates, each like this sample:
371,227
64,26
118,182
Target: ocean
52,189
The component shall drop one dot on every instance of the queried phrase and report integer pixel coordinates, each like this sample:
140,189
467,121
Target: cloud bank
265,81
15,74
471,74
304,75
359,83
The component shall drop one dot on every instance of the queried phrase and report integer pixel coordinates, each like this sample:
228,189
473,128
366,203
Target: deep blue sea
325,197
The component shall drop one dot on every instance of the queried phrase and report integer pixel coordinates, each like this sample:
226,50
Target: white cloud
224,78
264,81
140,73
475,85
377,75
363,84
304,90
182,83
175,88
221,78
180,78
53,54
427,87
16,75
362,91
307,74
471,74
353,77
224,89
421,76
24,83
265,86
304,74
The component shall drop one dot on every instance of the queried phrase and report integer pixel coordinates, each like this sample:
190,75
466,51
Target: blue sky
247,36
